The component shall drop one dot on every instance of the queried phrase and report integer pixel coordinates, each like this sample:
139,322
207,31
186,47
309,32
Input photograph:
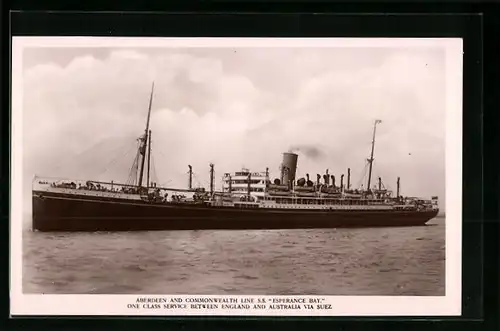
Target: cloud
239,108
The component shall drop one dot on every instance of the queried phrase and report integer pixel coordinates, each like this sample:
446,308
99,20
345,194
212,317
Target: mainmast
370,160
149,160
144,140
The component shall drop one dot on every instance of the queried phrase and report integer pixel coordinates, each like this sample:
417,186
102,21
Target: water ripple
388,261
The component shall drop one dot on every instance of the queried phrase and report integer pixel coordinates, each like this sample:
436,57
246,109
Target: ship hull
60,212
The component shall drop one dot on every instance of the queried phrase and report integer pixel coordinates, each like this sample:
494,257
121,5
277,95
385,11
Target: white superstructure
244,182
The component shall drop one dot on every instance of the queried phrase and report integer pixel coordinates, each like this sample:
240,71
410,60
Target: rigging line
125,141
362,173
384,183
161,153
199,182
154,173
67,161
56,165
375,179
107,167
117,148
363,176
133,170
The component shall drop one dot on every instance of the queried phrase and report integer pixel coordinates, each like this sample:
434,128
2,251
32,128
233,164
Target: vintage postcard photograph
227,176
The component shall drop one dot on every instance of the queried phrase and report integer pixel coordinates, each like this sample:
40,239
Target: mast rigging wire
81,158
132,179
154,176
108,166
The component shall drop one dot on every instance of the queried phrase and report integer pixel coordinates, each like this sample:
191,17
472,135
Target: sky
84,108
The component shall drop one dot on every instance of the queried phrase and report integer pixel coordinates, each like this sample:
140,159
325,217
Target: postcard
236,176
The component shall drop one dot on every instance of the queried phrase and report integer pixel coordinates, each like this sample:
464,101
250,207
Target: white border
450,304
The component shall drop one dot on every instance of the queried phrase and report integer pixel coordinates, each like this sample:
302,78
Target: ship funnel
211,179
333,181
190,177
342,182
289,167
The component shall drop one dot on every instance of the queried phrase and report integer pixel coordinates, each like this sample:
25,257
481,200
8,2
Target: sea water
365,261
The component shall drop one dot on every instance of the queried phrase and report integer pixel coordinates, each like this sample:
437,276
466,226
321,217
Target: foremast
370,160
145,143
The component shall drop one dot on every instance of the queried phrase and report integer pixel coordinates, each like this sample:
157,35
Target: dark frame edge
473,217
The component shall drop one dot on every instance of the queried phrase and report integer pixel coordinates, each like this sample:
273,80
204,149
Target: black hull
65,212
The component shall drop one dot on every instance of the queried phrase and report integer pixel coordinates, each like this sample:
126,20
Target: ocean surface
367,261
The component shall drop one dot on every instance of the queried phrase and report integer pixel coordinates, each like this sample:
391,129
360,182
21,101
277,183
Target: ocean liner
247,200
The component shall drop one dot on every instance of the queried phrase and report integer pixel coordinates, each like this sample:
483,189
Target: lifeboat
306,194
276,192
304,189
274,187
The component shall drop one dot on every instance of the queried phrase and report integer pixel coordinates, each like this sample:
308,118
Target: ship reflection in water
363,261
